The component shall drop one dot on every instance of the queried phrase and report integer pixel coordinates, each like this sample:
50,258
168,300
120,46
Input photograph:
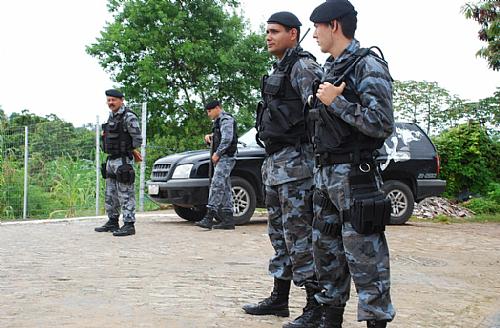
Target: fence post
143,155
25,196
97,166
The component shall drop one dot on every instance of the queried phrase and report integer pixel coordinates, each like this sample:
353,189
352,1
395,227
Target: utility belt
115,156
326,159
369,212
125,172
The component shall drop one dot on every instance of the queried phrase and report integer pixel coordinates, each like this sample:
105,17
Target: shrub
468,159
486,205
482,206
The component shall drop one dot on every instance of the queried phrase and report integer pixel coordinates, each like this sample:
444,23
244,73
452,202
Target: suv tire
244,200
190,213
402,200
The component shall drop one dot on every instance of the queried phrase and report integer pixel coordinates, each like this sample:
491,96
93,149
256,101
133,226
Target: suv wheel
244,200
402,200
190,213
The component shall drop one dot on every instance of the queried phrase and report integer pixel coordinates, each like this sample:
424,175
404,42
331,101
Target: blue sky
44,67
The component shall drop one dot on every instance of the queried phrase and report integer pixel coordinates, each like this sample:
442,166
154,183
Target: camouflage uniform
220,195
364,257
120,194
287,176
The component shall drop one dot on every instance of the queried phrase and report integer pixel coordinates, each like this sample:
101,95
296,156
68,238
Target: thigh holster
331,229
370,211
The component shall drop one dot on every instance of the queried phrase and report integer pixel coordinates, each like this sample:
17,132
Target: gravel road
173,274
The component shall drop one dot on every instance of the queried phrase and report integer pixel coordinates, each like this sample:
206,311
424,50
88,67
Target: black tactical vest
217,136
334,136
280,117
116,141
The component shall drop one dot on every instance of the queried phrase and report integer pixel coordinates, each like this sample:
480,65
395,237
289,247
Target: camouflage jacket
372,82
227,132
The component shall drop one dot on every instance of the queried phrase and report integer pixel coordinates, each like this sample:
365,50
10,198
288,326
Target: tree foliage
3,118
427,104
45,137
487,14
485,111
178,54
469,157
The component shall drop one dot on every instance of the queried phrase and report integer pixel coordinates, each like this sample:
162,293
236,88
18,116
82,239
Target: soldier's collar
120,111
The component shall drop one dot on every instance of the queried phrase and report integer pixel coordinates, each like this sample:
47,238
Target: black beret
331,10
212,104
114,93
285,18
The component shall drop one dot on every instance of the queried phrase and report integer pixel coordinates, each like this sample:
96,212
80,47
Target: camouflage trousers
220,195
119,195
365,258
289,208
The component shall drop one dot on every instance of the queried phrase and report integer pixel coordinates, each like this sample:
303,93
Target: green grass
479,218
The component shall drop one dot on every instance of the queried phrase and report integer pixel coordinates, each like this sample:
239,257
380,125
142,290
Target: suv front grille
160,171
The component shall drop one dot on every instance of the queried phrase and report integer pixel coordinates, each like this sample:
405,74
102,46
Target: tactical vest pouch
336,131
259,111
103,136
103,170
125,174
372,214
110,137
273,83
281,115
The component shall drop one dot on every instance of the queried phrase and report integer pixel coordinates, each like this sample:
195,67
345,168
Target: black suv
408,160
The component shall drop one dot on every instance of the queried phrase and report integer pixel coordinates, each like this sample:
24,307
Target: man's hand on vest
327,92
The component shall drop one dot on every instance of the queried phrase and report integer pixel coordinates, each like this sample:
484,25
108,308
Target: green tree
3,118
487,14
425,103
46,134
485,111
176,55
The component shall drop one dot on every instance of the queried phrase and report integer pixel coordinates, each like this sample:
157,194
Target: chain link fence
52,170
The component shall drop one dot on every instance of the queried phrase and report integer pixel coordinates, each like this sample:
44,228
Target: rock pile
431,207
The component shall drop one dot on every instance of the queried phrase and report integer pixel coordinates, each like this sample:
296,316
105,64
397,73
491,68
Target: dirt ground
173,274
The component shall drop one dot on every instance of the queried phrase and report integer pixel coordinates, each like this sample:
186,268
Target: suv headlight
182,171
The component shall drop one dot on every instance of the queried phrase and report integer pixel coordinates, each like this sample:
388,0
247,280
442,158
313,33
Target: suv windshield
248,139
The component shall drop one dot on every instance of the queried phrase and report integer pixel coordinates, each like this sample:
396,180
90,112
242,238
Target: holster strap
332,229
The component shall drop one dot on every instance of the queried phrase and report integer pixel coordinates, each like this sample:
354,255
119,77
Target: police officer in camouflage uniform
287,170
352,119
224,140
121,135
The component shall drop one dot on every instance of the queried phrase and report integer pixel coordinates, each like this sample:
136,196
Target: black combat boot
126,230
276,304
332,316
376,324
110,226
311,313
227,221
208,220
